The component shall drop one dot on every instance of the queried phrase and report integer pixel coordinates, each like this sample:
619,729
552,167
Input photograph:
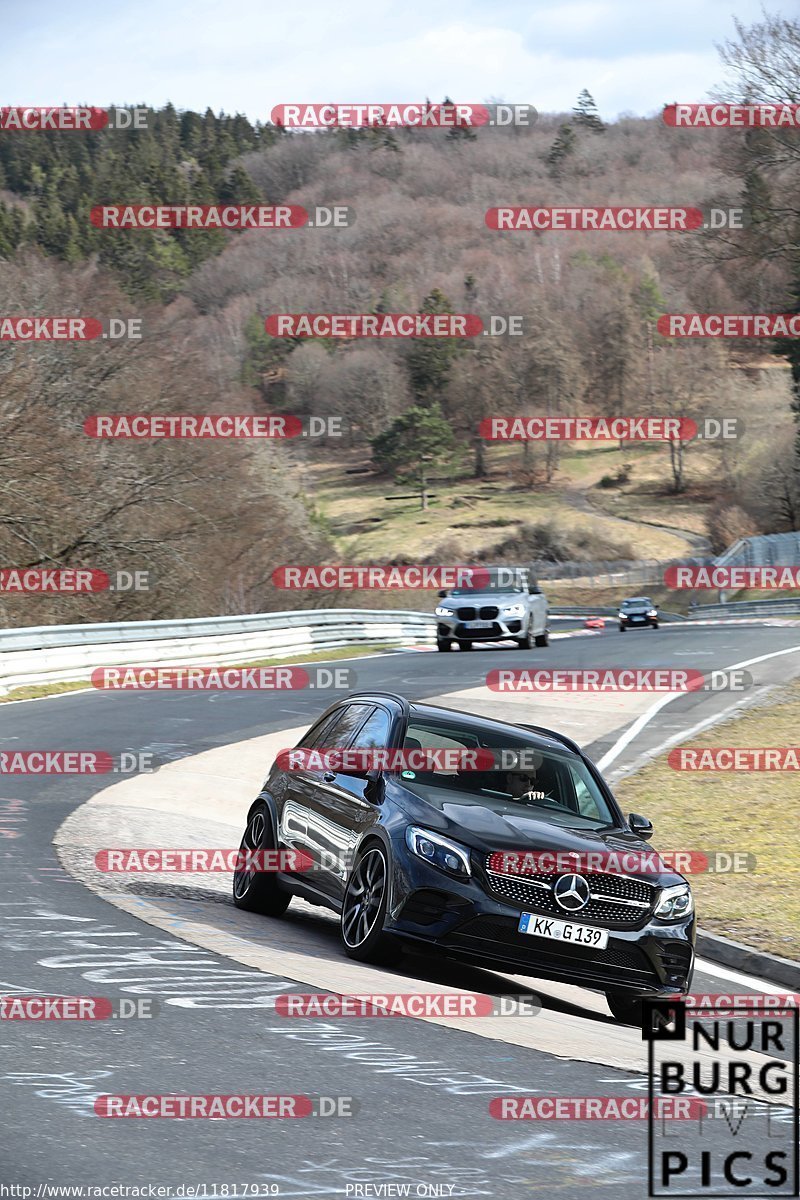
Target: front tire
465,645
622,628
258,891
366,900
526,642
443,644
543,639
625,1009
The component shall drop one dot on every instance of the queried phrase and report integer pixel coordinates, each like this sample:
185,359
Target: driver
523,787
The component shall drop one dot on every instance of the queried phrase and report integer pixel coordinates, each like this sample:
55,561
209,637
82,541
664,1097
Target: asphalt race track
422,1090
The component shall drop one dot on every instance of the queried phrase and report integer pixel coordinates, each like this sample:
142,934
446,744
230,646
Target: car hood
485,831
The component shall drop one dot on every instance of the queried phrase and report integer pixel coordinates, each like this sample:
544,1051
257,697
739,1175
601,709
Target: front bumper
499,630
638,622
463,920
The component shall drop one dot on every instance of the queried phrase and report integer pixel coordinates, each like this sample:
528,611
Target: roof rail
558,737
377,694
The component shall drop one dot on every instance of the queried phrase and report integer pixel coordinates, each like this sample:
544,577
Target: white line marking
709,968
638,725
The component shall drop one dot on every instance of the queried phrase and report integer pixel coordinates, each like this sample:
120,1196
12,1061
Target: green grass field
735,811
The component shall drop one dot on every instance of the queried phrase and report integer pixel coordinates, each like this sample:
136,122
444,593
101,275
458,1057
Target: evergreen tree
416,445
430,358
586,115
560,151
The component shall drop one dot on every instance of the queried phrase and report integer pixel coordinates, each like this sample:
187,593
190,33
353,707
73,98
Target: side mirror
641,825
534,589
442,594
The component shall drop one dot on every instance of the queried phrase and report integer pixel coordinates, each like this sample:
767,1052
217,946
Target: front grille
489,612
617,900
466,614
499,937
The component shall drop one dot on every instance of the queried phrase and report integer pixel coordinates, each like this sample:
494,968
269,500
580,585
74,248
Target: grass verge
756,812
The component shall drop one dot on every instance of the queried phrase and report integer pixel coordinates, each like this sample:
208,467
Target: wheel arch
269,803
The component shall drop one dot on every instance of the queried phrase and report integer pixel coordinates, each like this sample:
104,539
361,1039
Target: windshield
496,579
551,785
638,602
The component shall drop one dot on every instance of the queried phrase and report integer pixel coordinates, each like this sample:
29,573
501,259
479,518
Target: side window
349,719
587,805
317,735
374,733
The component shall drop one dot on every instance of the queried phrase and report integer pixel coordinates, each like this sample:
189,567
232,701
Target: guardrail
64,653
747,608
600,611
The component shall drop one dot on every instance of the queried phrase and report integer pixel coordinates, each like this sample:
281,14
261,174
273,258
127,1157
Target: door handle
329,776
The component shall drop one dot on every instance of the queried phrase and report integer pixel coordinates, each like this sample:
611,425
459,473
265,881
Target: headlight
675,902
443,612
514,610
622,615
652,612
439,851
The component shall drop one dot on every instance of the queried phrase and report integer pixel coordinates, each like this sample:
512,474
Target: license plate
479,624
563,931
637,618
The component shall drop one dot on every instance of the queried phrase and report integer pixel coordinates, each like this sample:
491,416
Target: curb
744,958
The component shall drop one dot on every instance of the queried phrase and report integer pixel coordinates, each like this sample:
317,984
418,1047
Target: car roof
473,722
538,735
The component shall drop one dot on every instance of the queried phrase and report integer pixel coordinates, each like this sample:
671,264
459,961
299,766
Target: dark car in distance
431,858
637,611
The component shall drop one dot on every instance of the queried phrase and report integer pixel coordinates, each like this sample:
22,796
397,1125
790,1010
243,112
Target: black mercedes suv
474,863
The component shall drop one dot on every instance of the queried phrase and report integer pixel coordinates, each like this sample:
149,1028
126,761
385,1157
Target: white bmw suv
507,607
